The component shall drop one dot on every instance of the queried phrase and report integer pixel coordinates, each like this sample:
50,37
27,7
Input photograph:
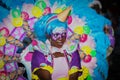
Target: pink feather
8,24
76,21
90,65
28,56
89,42
28,8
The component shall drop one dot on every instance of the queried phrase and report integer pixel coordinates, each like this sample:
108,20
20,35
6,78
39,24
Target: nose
60,37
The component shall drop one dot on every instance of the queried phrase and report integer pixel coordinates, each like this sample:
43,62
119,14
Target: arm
42,72
74,76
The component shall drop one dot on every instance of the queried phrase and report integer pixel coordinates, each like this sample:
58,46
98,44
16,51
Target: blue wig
45,25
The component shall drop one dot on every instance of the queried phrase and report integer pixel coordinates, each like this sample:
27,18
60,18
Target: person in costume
51,60
44,38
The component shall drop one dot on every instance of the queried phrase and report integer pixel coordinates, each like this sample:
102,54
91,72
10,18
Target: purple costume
39,59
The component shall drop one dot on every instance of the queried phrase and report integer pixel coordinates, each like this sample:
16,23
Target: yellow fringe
73,70
85,73
64,78
49,68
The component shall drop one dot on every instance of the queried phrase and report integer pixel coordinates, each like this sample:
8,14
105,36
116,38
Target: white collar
55,49
51,49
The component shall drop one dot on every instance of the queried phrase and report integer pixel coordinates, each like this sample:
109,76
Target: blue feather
3,13
16,3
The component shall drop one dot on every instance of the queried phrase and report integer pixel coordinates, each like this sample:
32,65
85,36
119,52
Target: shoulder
40,46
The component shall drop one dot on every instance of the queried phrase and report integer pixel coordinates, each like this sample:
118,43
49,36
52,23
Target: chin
60,45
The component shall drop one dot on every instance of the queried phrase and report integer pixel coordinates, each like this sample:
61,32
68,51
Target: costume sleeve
39,61
75,60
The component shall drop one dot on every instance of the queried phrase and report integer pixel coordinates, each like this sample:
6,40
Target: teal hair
45,25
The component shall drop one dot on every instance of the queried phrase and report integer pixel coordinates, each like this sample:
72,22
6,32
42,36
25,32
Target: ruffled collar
46,47
53,49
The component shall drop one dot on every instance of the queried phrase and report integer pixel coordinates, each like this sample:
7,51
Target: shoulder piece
72,46
42,47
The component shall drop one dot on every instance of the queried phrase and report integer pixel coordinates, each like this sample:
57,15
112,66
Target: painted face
58,37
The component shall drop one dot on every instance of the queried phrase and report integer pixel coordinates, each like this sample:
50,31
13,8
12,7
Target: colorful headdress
84,21
47,23
64,14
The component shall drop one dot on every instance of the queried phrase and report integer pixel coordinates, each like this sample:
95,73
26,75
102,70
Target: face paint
58,33
58,37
